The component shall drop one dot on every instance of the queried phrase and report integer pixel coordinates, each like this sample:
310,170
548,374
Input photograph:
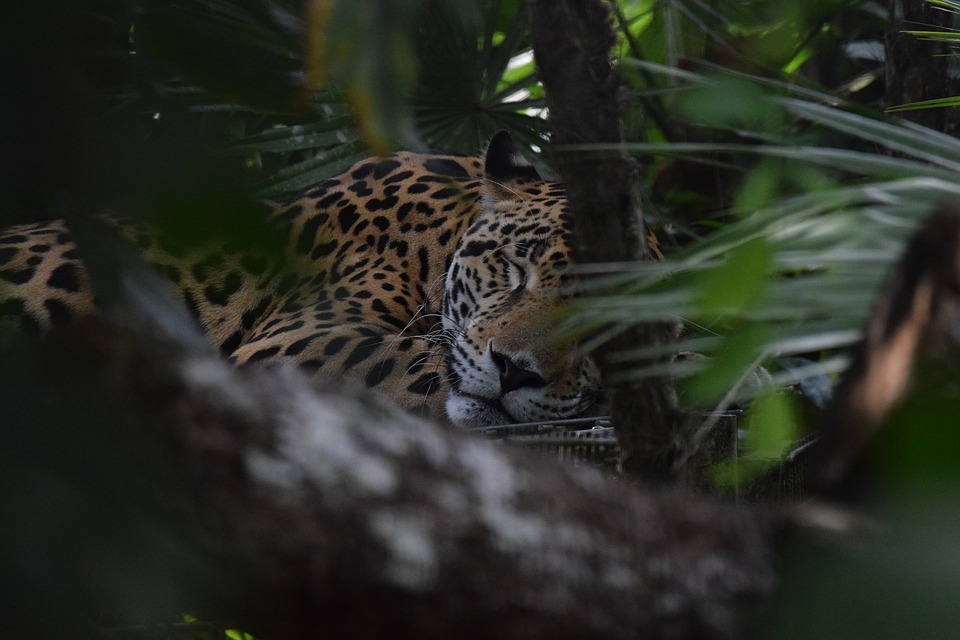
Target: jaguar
432,277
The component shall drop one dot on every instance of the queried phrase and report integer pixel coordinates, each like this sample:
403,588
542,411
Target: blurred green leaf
770,429
731,103
736,358
922,460
368,52
908,138
771,426
739,281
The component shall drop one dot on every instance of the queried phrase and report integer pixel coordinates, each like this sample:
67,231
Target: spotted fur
434,278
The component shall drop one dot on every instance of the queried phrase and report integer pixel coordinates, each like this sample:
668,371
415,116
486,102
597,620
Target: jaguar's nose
513,376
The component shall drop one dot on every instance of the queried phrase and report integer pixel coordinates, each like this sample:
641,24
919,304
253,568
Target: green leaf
731,103
950,5
869,164
920,142
739,281
737,357
770,429
301,175
291,138
370,54
935,103
771,426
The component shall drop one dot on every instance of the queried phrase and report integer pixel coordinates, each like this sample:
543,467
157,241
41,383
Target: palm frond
794,276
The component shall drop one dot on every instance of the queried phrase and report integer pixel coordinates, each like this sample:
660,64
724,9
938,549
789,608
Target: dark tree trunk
572,42
920,70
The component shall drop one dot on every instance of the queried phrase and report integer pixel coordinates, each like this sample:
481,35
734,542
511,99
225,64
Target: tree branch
294,515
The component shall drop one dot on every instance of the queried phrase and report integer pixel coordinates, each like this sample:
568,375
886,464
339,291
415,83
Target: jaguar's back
431,277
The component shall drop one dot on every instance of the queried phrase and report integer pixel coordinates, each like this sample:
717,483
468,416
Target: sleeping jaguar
434,278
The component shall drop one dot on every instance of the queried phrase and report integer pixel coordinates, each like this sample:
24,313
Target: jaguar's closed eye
519,276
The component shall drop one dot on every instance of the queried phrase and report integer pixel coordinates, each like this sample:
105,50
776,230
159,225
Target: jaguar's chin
465,410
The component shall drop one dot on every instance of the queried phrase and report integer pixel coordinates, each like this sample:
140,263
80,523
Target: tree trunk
572,42
918,69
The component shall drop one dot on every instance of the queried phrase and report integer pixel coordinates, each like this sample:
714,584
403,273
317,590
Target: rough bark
245,496
918,69
572,42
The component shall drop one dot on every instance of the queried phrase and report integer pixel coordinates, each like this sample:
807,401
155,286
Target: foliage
286,98
368,77
782,195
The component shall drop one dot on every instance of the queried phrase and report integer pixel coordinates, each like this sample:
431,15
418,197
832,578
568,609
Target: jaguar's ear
504,164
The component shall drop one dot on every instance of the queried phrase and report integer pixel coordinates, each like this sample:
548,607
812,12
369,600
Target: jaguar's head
504,289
